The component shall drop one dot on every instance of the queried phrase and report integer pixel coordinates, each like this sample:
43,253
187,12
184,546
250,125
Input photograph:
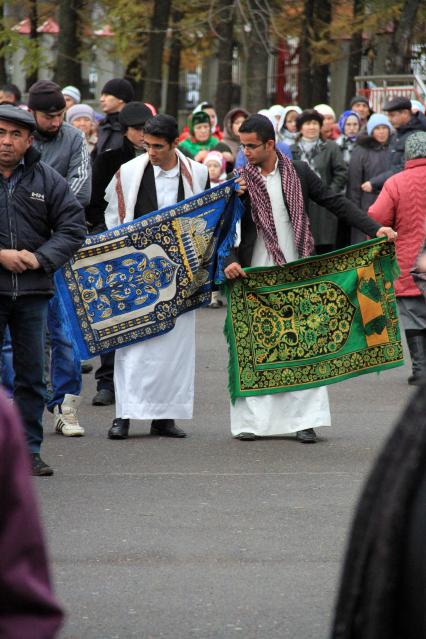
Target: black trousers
105,373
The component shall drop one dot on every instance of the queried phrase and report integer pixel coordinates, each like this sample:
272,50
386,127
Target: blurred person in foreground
28,608
402,205
383,582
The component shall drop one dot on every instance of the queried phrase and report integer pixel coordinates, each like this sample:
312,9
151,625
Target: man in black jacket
41,226
114,95
132,118
275,230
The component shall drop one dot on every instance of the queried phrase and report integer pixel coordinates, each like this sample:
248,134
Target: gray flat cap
398,103
14,114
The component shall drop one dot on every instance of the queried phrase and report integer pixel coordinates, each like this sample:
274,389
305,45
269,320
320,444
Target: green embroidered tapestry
316,321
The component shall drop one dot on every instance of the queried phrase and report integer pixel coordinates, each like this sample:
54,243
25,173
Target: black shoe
306,436
86,368
104,397
38,467
246,437
119,429
166,428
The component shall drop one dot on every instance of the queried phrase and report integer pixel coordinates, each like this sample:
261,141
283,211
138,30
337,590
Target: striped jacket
67,154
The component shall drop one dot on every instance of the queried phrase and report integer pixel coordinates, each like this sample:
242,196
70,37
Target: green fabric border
233,373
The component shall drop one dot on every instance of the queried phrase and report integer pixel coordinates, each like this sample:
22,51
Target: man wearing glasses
154,379
275,230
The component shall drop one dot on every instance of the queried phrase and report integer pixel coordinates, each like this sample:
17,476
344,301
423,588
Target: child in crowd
216,165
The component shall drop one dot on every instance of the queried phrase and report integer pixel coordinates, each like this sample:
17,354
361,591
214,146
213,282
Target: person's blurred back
28,608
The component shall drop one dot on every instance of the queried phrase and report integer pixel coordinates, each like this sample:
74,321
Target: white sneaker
66,421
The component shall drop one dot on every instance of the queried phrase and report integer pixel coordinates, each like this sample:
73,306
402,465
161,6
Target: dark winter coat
313,190
43,216
103,170
369,158
328,163
110,135
397,148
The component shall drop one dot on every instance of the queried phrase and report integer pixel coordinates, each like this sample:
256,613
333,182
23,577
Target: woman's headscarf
342,121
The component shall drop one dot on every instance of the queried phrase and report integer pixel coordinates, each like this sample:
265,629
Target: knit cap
416,104
215,156
325,109
359,98
80,111
120,88
46,96
377,119
73,93
415,146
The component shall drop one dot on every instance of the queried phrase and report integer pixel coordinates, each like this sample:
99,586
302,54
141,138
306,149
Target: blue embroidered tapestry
130,283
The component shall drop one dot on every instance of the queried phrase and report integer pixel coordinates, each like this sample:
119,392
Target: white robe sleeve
111,212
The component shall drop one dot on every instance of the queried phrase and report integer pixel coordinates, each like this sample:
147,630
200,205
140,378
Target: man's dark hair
259,124
162,126
13,89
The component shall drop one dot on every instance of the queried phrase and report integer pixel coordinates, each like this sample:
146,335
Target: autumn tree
224,31
68,70
155,51
400,45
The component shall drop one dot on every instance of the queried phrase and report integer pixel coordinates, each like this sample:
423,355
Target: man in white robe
283,237
154,379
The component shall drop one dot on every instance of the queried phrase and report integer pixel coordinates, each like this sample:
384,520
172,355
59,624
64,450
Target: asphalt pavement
208,537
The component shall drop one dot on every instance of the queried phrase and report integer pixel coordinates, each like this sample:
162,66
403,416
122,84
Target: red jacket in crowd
402,205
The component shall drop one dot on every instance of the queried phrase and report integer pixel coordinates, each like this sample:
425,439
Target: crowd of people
309,182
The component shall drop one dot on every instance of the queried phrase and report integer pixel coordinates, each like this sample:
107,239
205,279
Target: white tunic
154,379
279,413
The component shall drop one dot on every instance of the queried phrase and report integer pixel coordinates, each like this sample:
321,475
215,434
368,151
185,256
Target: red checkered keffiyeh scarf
262,209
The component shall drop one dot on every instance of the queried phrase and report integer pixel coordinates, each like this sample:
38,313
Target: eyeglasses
252,147
154,147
